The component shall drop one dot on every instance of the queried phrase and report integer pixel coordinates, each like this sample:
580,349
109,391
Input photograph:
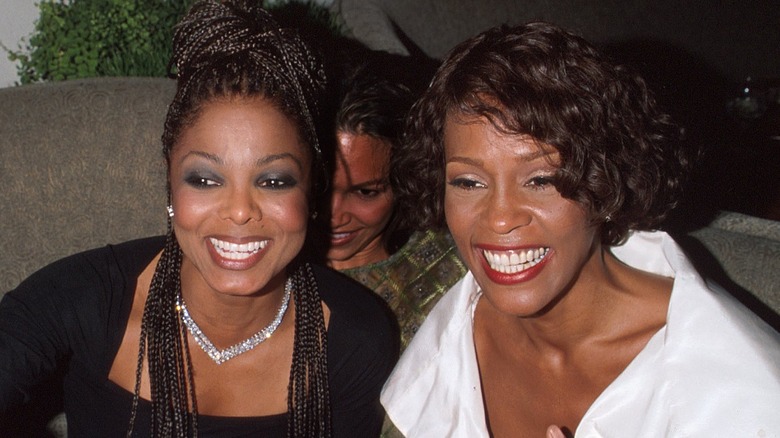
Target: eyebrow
373,182
211,157
542,152
260,162
274,157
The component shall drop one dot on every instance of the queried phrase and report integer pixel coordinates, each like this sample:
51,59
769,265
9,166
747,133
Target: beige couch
83,166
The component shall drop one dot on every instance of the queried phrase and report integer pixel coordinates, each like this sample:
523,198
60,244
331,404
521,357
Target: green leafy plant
85,38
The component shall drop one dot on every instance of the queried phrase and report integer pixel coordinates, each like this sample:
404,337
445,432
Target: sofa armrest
82,167
743,253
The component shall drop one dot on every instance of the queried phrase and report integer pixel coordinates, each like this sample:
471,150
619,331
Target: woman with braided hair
221,328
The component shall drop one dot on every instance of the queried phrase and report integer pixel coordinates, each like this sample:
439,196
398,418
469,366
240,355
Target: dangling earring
170,210
606,219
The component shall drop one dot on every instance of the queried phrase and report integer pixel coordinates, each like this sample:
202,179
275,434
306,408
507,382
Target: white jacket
712,371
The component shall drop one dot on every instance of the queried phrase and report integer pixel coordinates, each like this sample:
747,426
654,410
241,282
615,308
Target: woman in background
552,166
220,328
410,271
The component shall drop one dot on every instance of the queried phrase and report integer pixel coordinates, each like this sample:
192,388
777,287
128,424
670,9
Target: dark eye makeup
199,179
277,181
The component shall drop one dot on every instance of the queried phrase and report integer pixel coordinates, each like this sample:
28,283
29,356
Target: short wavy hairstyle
621,158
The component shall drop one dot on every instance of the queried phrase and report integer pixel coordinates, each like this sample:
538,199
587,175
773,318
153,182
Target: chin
339,256
241,287
519,303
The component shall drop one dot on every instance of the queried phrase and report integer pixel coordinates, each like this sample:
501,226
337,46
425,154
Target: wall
735,38
17,18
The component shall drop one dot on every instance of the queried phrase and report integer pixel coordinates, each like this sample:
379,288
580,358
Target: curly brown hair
620,155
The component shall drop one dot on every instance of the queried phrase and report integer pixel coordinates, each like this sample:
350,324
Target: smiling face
524,243
361,203
239,188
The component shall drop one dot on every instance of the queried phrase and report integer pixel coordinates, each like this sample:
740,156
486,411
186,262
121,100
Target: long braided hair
226,49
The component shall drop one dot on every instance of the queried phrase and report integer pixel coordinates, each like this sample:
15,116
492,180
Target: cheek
292,213
461,221
458,214
190,208
565,215
375,212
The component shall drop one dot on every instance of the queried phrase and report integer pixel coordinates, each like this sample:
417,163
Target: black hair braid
222,50
237,49
215,38
164,344
308,399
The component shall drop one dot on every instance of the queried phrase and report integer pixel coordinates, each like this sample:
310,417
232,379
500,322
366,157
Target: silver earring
314,215
170,210
608,218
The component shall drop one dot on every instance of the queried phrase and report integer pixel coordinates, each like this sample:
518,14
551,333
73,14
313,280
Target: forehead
355,146
251,124
481,138
362,154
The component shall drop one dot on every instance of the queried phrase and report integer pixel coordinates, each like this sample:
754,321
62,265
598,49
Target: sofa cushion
742,253
82,167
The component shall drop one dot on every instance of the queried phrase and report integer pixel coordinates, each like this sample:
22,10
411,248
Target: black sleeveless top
70,318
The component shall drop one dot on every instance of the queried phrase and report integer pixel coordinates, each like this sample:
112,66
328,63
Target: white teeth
510,262
234,251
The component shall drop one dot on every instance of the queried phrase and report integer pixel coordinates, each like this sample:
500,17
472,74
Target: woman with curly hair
221,328
553,169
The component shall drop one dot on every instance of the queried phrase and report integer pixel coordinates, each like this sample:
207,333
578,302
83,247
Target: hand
555,432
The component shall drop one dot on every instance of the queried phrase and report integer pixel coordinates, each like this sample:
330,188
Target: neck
583,312
374,252
227,318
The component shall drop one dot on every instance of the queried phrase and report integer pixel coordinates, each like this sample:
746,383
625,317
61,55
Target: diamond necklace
221,356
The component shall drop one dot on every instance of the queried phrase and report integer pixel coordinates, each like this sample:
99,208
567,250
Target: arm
61,309
31,341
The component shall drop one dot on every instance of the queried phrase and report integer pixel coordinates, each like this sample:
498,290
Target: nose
240,206
506,210
339,211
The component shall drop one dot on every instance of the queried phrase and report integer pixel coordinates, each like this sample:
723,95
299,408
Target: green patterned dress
413,279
